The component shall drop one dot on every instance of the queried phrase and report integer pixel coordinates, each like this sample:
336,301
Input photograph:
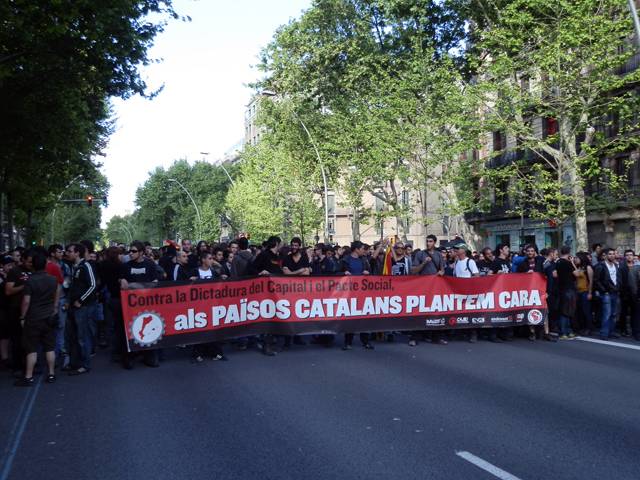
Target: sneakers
347,347
412,343
368,346
572,335
24,382
564,337
220,358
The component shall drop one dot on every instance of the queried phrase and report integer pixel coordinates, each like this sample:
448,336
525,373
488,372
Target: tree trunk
355,225
577,188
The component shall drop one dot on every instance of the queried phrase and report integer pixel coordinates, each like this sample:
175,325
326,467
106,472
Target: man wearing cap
465,267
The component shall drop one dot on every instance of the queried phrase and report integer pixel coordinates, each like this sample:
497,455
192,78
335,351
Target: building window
405,197
331,203
503,238
379,204
524,84
498,141
331,226
550,127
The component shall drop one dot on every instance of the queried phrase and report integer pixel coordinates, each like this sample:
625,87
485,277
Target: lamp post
53,214
223,169
192,201
636,21
322,171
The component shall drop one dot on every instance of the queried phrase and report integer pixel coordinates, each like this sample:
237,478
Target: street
568,410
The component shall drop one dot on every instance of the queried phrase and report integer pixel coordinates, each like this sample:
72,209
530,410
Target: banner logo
147,328
535,317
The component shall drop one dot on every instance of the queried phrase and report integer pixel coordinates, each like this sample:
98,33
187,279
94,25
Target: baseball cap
458,246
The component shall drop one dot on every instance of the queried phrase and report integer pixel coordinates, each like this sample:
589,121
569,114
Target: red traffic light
90,200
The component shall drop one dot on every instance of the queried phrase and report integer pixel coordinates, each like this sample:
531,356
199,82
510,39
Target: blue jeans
86,329
62,317
609,309
584,307
563,326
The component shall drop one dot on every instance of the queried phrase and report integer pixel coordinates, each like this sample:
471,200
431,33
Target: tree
60,63
549,78
165,209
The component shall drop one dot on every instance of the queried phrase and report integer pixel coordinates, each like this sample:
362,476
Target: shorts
36,333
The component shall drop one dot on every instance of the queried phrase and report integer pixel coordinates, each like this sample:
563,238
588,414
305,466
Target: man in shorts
39,306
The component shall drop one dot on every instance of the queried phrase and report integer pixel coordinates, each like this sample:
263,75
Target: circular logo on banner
535,317
452,321
147,328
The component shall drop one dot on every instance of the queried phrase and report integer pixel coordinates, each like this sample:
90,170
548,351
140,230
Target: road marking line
608,342
486,466
16,434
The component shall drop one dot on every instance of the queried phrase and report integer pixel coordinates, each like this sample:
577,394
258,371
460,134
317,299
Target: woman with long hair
584,286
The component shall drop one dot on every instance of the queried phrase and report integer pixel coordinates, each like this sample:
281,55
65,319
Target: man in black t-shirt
485,266
14,286
39,305
296,263
566,285
140,270
501,264
268,263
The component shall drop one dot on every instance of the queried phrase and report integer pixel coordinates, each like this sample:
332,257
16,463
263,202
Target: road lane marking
486,466
18,430
608,342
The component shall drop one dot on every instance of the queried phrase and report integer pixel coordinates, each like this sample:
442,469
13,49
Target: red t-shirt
54,270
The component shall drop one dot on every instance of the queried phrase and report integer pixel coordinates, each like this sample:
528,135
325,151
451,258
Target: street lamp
324,175
636,22
223,169
194,204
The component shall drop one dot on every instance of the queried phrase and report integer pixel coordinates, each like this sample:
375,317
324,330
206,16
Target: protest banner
159,315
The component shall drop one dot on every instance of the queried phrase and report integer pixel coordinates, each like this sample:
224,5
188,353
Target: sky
206,68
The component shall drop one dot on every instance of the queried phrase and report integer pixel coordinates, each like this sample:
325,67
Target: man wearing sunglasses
139,269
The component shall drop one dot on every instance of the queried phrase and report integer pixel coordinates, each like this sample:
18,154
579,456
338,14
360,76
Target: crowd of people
65,302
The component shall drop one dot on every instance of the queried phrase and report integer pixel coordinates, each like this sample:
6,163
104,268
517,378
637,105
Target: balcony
509,156
632,64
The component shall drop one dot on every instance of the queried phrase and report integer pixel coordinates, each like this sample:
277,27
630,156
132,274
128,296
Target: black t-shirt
501,265
485,267
41,287
400,267
291,264
566,280
181,273
110,273
140,272
18,277
269,261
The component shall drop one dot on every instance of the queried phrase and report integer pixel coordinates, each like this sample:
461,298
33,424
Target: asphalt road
534,410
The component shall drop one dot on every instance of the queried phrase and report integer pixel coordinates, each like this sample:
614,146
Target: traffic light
90,200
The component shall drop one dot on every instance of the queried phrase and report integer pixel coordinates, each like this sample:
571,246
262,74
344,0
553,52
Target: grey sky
207,66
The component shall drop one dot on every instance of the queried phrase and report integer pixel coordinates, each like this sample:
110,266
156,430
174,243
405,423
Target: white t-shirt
205,274
612,272
466,268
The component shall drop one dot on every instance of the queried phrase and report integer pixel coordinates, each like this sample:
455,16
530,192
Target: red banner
157,315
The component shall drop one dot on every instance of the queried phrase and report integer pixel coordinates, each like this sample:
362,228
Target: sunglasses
133,251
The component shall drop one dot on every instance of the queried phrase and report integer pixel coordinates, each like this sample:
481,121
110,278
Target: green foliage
60,62
559,62
165,211
274,195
